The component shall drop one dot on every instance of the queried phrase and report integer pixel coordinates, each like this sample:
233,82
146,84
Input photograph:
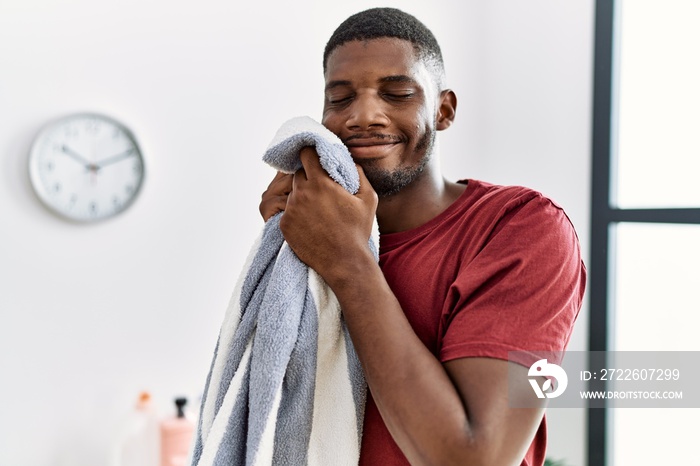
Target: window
645,238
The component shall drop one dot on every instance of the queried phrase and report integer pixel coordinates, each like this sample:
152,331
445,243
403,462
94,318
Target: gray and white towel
285,385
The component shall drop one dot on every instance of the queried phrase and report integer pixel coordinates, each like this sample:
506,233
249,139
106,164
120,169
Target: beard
389,182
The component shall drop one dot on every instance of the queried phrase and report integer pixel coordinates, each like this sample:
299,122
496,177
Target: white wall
91,314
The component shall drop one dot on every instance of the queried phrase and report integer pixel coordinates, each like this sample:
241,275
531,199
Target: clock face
86,167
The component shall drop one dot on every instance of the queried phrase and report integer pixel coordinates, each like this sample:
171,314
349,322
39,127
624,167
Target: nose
366,112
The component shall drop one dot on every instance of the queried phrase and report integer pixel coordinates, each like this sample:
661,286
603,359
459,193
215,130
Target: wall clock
86,167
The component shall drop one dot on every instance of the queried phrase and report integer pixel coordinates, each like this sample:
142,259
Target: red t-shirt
499,270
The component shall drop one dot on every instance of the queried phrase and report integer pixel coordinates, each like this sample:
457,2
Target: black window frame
604,215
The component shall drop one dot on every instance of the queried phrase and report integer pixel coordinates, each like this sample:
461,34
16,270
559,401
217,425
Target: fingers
311,166
366,190
278,175
274,199
364,182
284,184
273,206
298,177
310,162
280,184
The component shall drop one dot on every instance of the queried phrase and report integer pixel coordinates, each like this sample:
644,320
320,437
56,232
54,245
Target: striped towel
285,385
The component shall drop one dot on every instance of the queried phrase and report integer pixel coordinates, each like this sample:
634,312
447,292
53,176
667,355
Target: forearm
455,412
418,402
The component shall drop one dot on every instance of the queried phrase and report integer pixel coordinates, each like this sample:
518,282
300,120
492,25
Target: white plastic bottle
139,441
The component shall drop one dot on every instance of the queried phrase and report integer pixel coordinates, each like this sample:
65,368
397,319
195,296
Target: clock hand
75,156
115,158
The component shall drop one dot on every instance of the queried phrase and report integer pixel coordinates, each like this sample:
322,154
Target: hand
327,227
274,199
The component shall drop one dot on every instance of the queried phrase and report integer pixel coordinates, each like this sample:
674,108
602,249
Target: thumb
366,190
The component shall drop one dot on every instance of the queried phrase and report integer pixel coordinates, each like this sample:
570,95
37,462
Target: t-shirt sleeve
521,292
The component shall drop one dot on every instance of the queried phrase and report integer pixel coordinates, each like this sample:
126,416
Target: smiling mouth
371,145
371,149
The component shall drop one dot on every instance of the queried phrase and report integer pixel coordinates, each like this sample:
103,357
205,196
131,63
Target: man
468,271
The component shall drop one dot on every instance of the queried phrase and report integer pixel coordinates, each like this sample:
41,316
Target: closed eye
396,96
339,100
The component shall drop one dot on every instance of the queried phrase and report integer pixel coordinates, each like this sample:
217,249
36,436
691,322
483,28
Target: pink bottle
176,437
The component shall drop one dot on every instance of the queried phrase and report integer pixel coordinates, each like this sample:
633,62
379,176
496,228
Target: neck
421,201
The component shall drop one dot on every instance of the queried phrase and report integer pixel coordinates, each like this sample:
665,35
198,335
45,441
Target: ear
447,107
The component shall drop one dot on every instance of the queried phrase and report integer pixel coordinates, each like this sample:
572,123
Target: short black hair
377,23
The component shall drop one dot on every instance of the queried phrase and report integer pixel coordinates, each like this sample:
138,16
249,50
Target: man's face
381,101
